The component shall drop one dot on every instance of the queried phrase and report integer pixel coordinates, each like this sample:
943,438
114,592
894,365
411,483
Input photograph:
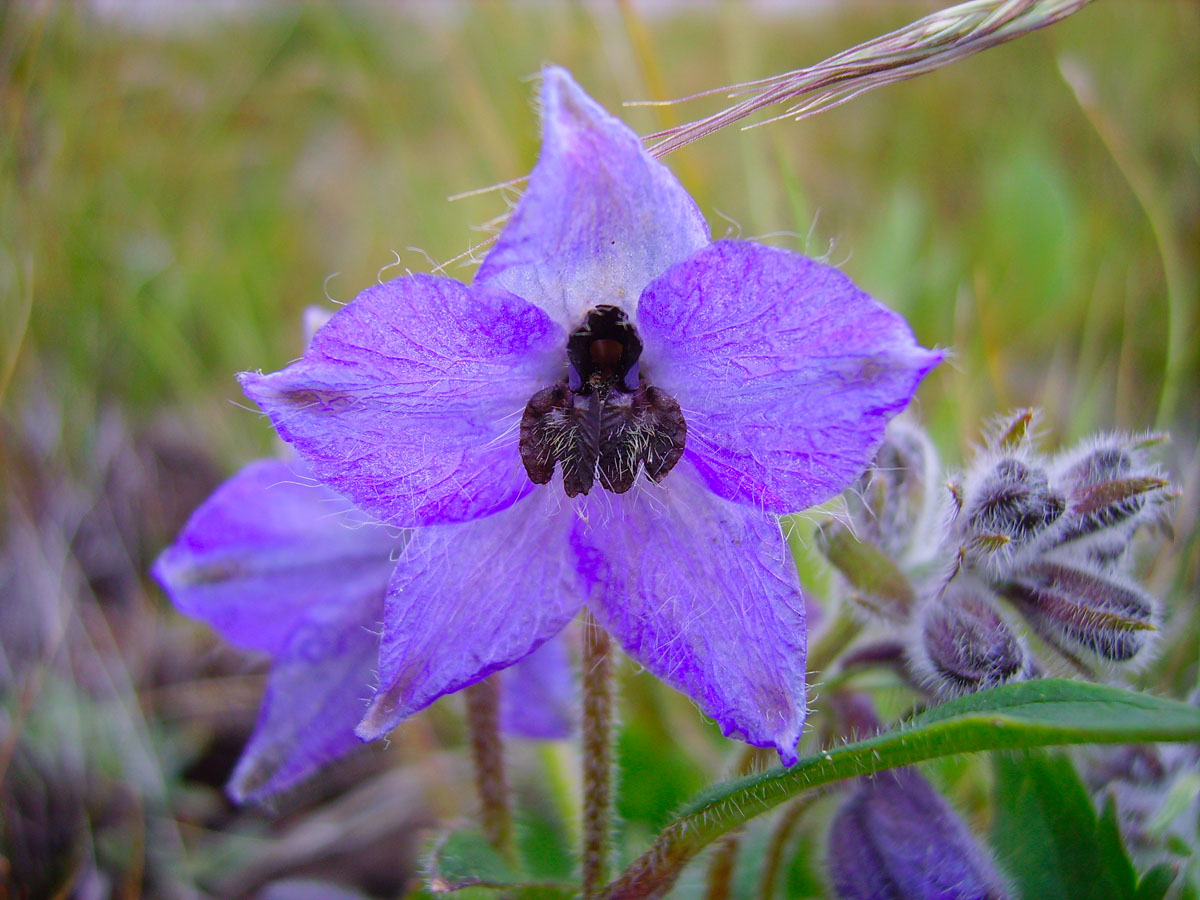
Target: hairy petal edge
704,594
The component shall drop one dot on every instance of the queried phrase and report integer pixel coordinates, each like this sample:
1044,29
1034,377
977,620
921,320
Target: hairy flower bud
962,644
852,717
878,583
895,837
1110,489
893,503
1013,430
1149,784
1084,609
1007,505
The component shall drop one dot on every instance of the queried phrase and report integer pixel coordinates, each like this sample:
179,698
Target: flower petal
704,594
537,696
600,218
471,599
267,549
408,400
316,693
787,373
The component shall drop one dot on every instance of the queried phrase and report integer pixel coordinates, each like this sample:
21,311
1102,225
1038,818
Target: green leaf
544,845
1115,865
1048,837
1155,883
465,861
1032,714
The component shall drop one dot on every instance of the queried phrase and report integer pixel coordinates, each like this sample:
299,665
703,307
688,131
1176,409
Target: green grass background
172,199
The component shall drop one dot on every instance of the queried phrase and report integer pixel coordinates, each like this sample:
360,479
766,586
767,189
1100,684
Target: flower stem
831,644
487,754
782,830
720,868
597,757
560,764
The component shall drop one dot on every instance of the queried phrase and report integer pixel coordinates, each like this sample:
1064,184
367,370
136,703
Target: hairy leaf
1030,714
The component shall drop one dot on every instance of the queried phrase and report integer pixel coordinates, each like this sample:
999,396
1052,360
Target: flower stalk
922,46
720,868
597,757
833,641
781,833
487,757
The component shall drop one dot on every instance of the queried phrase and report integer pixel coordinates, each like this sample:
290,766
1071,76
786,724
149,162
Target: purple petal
316,693
600,218
896,837
537,695
471,599
408,401
267,549
704,594
787,373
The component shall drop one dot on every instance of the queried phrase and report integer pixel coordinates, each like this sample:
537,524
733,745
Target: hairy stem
487,755
1042,713
597,757
833,641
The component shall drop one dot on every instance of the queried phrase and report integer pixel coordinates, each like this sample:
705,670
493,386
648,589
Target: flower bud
853,718
1008,504
895,837
893,503
877,582
963,645
1013,431
1140,764
1083,609
1110,489
1141,779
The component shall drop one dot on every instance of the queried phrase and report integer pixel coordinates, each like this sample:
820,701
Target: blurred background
179,181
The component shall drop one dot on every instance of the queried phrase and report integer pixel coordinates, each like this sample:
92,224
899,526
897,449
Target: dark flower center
605,421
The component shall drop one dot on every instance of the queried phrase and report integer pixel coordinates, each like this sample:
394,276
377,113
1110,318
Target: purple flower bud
1140,778
892,504
1141,764
895,838
852,718
1110,489
1008,504
1083,609
963,645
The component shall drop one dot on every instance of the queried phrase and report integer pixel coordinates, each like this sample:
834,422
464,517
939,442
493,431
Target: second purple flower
611,415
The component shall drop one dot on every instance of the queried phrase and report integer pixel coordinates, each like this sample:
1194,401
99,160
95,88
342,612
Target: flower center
605,421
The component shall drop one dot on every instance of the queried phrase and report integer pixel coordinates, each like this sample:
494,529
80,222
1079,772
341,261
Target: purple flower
687,391
895,838
280,564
